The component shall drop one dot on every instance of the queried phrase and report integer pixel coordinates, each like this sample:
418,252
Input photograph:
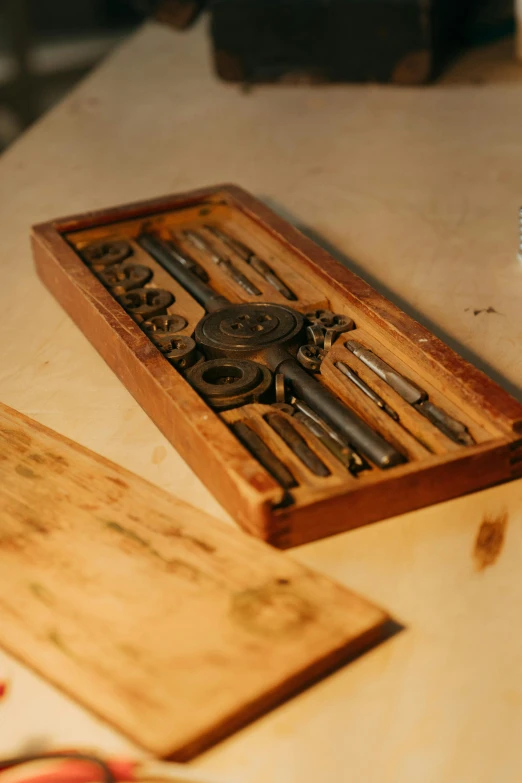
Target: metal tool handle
408,390
166,256
357,432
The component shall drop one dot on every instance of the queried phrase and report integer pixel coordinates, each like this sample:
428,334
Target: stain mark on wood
35,525
129,651
184,569
490,540
272,610
131,535
16,438
55,638
42,593
177,532
173,566
26,472
55,461
118,481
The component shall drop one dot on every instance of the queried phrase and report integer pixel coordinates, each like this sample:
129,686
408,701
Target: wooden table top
418,190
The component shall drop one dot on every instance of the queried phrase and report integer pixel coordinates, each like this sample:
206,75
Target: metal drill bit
358,463
357,381
224,263
305,409
264,455
187,261
270,276
408,390
344,454
356,431
260,266
414,395
452,428
238,247
297,444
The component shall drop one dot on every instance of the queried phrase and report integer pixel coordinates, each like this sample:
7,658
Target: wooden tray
436,469
175,628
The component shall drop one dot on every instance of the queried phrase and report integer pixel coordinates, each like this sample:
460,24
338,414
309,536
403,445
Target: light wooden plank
170,625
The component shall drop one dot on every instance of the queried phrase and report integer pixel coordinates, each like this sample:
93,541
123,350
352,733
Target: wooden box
436,467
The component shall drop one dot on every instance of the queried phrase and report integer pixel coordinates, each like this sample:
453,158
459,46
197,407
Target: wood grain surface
173,627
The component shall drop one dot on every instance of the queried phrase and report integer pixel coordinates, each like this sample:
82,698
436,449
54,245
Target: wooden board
435,469
175,628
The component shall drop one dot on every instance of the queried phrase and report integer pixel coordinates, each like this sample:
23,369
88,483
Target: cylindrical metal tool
367,390
305,409
408,390
297,444
414,395
354,429
346,456
263,454
165,255
224,263
187,261
260,266
453,429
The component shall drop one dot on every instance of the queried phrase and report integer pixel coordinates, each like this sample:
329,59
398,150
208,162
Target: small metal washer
310,357
323,318
181,351
105,252
280,388
315,335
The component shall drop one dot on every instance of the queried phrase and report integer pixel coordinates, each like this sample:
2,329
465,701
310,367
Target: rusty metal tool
333,441
264,455
297,444
260,266
452,428
164,254
187,261
346,456
326,319
367,390
408,390
223,263
413,394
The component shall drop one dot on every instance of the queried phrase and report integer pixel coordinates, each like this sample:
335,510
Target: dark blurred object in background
46,46
177,13
389,41
400,42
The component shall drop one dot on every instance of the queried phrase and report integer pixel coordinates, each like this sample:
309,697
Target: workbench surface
417,190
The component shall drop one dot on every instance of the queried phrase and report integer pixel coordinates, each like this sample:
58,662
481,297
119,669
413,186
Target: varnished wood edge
430,485
135,209
302,680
